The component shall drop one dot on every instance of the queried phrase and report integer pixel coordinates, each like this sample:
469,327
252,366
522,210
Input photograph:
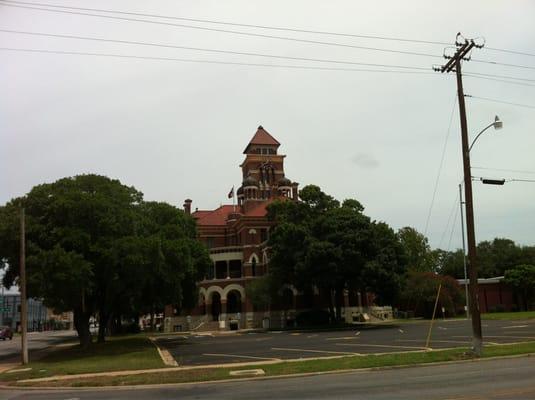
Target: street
487,379
10,349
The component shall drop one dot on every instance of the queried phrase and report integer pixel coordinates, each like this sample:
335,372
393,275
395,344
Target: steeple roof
262,137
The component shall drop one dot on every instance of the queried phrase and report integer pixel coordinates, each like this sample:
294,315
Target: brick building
236,236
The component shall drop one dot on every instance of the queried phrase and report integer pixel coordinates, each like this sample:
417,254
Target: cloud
364,160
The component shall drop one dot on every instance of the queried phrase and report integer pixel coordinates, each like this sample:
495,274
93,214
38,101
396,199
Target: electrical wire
506,170
250,34
453,208
211,50
440,166
306,67
510,51
497,80
208,21
499,101
499,76
267,27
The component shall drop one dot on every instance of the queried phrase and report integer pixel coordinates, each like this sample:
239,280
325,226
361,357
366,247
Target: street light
474,302
497,124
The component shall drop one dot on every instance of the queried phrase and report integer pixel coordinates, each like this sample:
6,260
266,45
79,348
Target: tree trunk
339,299
103,319
81,324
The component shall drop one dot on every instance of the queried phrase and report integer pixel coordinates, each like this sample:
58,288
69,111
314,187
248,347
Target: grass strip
288,368
511,316
120,353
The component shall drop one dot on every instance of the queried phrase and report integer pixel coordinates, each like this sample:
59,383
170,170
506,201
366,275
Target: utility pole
454,64
461,202
23,303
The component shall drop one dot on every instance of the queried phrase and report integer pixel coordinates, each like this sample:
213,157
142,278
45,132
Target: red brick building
236,235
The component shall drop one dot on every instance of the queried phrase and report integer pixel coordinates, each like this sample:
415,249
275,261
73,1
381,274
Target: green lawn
284,368
509,315
118,353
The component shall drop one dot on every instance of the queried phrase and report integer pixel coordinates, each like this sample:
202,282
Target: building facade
236,235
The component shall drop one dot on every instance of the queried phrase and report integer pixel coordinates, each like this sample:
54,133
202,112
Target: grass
519,315
119,353
286,368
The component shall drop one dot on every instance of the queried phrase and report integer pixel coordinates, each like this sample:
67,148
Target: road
10,349
205,349
487,379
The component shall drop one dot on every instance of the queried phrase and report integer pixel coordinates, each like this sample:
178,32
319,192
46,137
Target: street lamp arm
477,137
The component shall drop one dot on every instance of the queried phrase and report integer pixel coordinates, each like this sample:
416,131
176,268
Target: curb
258,378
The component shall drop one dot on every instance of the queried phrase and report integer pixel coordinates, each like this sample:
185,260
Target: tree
417,250
421,290
321,243
95,248
522,279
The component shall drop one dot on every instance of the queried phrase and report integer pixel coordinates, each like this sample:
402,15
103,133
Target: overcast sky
177,129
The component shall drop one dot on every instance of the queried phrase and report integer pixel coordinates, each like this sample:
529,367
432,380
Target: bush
312,318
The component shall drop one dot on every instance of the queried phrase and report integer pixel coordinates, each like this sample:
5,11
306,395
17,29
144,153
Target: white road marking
342,338
442,328
239,356
311,336
316,351
401,331
514,326
358,333
382,345
295,334
441,341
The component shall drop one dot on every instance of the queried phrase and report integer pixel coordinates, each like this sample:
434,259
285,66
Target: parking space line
502,337
442,341
316,351
342,338
383,345
239,356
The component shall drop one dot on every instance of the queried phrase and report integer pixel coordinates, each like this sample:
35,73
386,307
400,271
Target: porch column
228,269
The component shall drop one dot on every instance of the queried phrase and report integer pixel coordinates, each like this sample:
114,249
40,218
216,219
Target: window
263,234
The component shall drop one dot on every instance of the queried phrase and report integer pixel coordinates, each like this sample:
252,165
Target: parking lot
219,348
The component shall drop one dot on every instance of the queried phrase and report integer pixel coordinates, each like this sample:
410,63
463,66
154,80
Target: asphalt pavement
37,341
241,347
479,380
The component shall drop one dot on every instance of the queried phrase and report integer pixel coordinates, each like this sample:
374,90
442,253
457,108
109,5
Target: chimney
187,206
295,191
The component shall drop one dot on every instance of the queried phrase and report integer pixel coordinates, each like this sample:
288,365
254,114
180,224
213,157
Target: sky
177,129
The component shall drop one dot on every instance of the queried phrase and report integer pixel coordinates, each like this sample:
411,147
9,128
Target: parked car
6,333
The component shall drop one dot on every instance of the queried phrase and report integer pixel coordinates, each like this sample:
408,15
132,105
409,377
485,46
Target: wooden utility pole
454,63
23,303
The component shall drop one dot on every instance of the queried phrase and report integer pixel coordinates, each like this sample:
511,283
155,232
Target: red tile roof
214,217
262,137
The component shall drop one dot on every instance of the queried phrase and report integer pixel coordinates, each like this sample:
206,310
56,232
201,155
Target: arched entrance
216,306
233,302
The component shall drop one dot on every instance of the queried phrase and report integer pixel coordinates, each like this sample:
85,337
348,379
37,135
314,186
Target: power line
498,80
506,170
499,101
440,166
276,28
250,34
453,208
510,51
210,50
208,21
504,64
499,76
209,61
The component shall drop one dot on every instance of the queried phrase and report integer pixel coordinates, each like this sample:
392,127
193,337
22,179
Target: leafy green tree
421,290
522,279
321,243
417,250
95,248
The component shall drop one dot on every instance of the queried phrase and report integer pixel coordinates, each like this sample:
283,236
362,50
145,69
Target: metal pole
464,252
23,303
470,231
433,317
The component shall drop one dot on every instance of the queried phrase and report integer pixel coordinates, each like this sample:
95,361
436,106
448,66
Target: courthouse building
236,235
